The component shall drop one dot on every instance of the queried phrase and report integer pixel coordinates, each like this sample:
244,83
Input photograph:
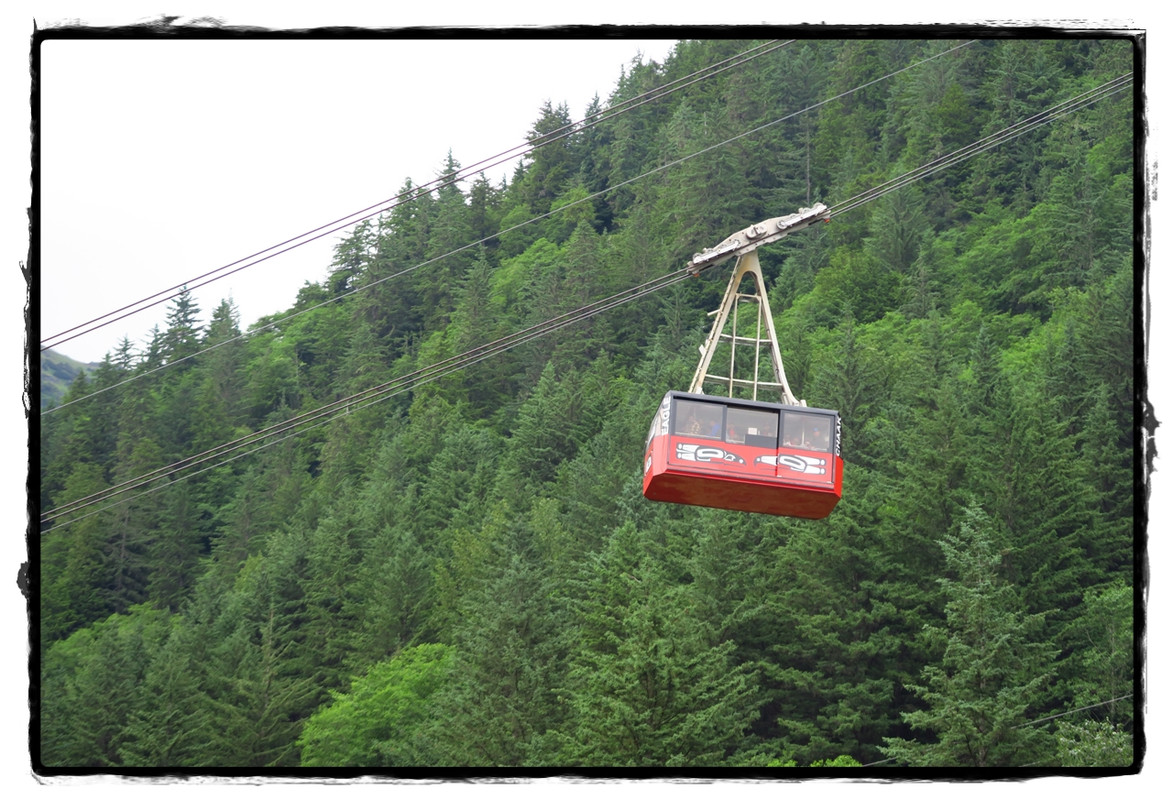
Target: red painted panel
717,474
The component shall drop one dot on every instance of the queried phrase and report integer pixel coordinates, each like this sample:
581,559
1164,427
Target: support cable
433,372
407,196
588,198
367,397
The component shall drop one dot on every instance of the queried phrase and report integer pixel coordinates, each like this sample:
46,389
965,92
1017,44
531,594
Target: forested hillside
57,373
345,538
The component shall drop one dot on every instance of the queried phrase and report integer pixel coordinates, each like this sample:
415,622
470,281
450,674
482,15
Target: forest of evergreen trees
466,574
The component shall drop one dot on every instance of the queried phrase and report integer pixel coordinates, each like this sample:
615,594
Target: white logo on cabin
705,453
808,465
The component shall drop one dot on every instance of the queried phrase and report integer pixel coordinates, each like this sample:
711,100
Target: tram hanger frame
748,267
744,245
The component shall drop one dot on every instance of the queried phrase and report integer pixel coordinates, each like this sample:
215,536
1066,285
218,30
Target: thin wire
1073,711
413,193
414,379
1018,129
1035,722
479,242
363,399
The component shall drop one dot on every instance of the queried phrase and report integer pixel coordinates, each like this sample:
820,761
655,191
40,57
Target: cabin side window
806,431
698,419
752,427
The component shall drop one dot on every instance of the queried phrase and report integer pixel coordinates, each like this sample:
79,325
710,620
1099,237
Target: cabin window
751,427
806,431
698,419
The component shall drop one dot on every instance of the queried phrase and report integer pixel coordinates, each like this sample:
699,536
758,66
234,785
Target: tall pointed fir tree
503,701
992,674
651,684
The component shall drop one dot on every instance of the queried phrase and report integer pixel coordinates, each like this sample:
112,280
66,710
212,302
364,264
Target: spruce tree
651,684
92,687
992,672
504,699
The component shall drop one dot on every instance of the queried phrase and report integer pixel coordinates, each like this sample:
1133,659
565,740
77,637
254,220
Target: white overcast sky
164,160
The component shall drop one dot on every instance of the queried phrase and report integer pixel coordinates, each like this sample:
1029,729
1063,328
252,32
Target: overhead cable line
1018,129
1074,711
324,414
1034,722
422,375
530,221
370,396
414,193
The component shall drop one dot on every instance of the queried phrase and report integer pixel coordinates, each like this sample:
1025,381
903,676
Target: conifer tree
1100,669
256,697
181,339
351,257
553,162
651,685
73,565
92,686
831,633
171,725
993,670
449,252
502,703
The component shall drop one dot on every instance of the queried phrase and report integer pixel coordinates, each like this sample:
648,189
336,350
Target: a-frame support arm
743,245
747,266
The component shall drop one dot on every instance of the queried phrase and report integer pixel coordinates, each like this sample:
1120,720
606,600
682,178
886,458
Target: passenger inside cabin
714,428
698,419
705,425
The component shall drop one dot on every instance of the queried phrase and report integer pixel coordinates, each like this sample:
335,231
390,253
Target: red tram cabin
744,456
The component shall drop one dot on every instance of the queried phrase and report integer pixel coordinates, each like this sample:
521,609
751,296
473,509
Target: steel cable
520,225
369,396
405,197
325,414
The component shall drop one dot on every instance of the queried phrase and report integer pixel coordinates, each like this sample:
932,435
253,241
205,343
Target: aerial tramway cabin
745,454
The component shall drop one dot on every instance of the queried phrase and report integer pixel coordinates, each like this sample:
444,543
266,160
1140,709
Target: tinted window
806,431
698,419
752,427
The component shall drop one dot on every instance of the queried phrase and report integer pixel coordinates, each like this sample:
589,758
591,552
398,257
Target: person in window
714,429
819,438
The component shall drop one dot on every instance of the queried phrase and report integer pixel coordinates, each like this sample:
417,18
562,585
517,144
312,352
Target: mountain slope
58,371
